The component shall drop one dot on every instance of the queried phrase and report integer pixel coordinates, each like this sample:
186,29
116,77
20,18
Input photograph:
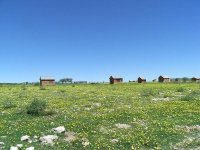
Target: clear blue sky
93,39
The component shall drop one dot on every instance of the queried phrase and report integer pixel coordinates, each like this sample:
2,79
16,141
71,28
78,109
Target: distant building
114,80
141,80
195,79
44,81
163,79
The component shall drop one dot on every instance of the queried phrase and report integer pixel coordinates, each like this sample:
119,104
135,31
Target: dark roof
195,78
142,78
116,77
165,77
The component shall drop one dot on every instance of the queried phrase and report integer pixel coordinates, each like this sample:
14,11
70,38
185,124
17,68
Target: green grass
92,111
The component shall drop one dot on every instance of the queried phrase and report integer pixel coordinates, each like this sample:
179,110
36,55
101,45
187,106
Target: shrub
62,91
180,89
167,95
23,87
149,92
36,84
42,88
8,104
196,93
48,113
188,98
36,107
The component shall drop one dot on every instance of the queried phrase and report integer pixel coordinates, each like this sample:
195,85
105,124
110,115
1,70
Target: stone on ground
13,148
19,145
25,138
122,126
30,148
48,139
60,129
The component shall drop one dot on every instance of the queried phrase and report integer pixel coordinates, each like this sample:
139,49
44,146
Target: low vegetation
101,116
37,107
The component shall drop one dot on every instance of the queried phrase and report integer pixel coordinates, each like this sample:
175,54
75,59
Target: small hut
194,79
163,79
141,80
114,80
44,81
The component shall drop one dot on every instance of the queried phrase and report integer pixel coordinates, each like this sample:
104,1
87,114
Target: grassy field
102,116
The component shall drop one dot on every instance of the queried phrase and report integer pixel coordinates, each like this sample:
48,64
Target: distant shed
194,79
44,81
141,80
163,79
114,80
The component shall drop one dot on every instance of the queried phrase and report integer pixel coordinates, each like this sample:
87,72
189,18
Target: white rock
19,145
30,148
2,143
25,138
59,129
87,109
13,148
97,104
49,139
114,141
122,126
104,130
86,143
30,141
35,137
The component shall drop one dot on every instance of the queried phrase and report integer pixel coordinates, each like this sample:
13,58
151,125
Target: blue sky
93,39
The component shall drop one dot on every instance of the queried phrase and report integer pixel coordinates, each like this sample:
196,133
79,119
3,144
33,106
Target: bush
188,98
42,88
167,95
8,104
196,93
36,107
23,87
62,91
36,84
180,89
149,92
48,113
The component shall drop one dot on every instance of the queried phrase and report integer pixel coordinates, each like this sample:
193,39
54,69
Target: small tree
62,80
177,80
36,107
185,79
66,80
